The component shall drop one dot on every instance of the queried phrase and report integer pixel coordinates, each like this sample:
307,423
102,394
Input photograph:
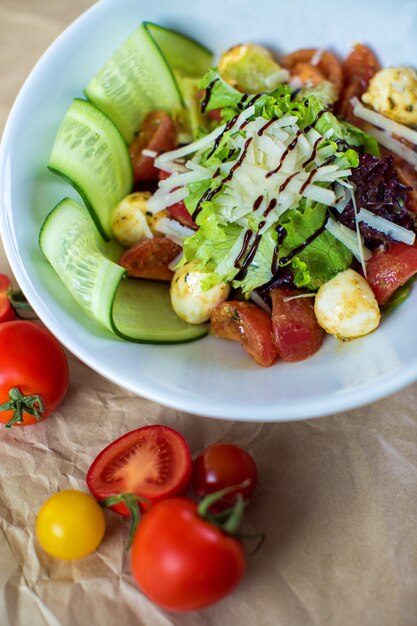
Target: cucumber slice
140,76
136,310
90,153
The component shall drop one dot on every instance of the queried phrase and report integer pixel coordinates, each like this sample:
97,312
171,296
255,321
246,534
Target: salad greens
224,214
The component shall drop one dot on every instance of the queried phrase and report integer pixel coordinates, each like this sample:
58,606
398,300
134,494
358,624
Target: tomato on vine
33,373
70,525
183,558
223,465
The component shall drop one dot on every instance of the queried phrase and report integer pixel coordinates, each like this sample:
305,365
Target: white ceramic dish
210,377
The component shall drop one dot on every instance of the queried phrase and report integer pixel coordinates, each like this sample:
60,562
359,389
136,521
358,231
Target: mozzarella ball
189,301
393,93
129,220
346,307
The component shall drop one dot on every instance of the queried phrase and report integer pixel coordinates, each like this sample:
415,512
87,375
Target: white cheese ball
393,93
346,307
188,299
129,219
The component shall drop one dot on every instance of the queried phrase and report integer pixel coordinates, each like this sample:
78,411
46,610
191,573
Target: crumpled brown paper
337,496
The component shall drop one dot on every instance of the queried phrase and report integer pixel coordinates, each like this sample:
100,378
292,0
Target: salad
271,200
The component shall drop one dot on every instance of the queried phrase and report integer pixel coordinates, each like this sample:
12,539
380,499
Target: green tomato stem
20,404
232,516
131,501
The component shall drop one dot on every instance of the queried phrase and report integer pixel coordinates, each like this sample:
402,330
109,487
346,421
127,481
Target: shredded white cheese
394,231
394,128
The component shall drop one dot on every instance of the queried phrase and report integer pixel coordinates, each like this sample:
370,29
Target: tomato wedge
152,462
157,133
296,331
178,211
358,68
391,268
151,258
248,324
7,313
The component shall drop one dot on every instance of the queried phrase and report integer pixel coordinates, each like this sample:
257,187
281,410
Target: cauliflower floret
346,307
251,69
189,301
393,93
129,220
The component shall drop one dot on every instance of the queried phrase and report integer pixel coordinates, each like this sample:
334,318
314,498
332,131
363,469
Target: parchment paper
336,497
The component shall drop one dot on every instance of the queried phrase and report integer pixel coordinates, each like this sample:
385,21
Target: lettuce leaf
323,258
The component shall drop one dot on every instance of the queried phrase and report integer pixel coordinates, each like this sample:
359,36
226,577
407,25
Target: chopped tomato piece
296,331
358,69
248,324
157,133
328,67
7,313
150,259
389,269
178,211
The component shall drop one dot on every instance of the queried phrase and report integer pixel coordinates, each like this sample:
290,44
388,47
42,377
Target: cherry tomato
70,525
157,133
33,371
358,69
224,465
151,258
389,269
178,211
296,331
328,67
248,324
7,313
153,462
181,561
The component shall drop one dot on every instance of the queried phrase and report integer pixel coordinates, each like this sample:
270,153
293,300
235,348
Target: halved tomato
248,324
157,133
296,331
151,258
391,268
152,462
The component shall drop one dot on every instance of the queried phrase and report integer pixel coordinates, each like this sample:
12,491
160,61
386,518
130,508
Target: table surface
336,497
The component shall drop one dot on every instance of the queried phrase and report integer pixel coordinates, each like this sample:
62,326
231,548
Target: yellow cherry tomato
70,525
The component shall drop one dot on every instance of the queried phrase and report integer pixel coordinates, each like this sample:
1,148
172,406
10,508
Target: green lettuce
323,258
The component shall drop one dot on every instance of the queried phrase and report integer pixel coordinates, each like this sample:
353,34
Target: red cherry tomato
153,462
248,324
181,561
223,465
7,313
296,331
157,133
34,370
389,269
151,258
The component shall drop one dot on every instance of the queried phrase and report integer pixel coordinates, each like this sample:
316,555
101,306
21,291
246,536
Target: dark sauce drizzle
207,95
305,243
210,193
295,141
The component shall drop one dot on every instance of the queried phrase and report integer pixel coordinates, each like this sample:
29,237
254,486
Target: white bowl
210,377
